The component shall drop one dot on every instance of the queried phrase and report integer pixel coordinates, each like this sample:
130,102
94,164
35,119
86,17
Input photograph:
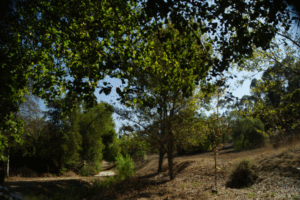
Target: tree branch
287,37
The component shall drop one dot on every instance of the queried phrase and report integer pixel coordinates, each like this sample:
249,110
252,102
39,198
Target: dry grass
24,172
195,177
70,173
278,178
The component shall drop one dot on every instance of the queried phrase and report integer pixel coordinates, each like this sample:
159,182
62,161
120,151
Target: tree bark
7,166
2,172
243,143
170,154
161,157
162,149
7,163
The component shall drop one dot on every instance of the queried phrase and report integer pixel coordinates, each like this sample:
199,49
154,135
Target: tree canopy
71,45
66,47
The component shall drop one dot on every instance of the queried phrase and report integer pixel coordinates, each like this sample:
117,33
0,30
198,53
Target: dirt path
52,187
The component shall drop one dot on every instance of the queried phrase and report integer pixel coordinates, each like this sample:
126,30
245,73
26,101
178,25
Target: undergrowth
125,167
243,174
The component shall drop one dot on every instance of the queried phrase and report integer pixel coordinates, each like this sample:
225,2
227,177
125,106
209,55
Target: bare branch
287,37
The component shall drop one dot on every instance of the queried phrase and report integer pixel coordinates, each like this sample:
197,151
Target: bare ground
277,171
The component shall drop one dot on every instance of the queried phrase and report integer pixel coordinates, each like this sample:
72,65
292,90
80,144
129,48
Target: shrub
125,166
133,145
243,174
90,169
248,133
113,149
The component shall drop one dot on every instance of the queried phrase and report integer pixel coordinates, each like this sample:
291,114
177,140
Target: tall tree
68,46
54,40
89,38
96,127
13,69
63,137
169,69
14,75
278,90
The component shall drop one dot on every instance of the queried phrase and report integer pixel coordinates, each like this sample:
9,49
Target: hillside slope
277,172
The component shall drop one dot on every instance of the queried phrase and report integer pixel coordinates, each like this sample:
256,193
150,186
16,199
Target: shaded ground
277,171
54,187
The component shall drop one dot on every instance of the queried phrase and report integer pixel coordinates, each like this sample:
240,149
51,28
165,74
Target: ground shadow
132,188
178,168
228,148
150,175
49,189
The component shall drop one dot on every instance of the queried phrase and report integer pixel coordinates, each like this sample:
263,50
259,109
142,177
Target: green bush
133,146
125,166
97,130
113,150
243,174
248,133
100,185
91,169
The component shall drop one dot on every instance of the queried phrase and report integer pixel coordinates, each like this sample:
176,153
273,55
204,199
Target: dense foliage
67,47
64,142
248,133
133,146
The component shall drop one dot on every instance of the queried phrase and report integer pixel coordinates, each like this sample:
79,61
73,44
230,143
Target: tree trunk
48,171
162,149
243,143
170,154
215,155
7,166
7,163
161,157
2,172
170,163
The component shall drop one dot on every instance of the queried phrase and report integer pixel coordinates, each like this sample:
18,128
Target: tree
85,38
63,138
274,95
248,133
279,98
90,38
68,48
14,75
9,138
13,72
147,121
30,116
171,65
133,145
74,29
96,128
